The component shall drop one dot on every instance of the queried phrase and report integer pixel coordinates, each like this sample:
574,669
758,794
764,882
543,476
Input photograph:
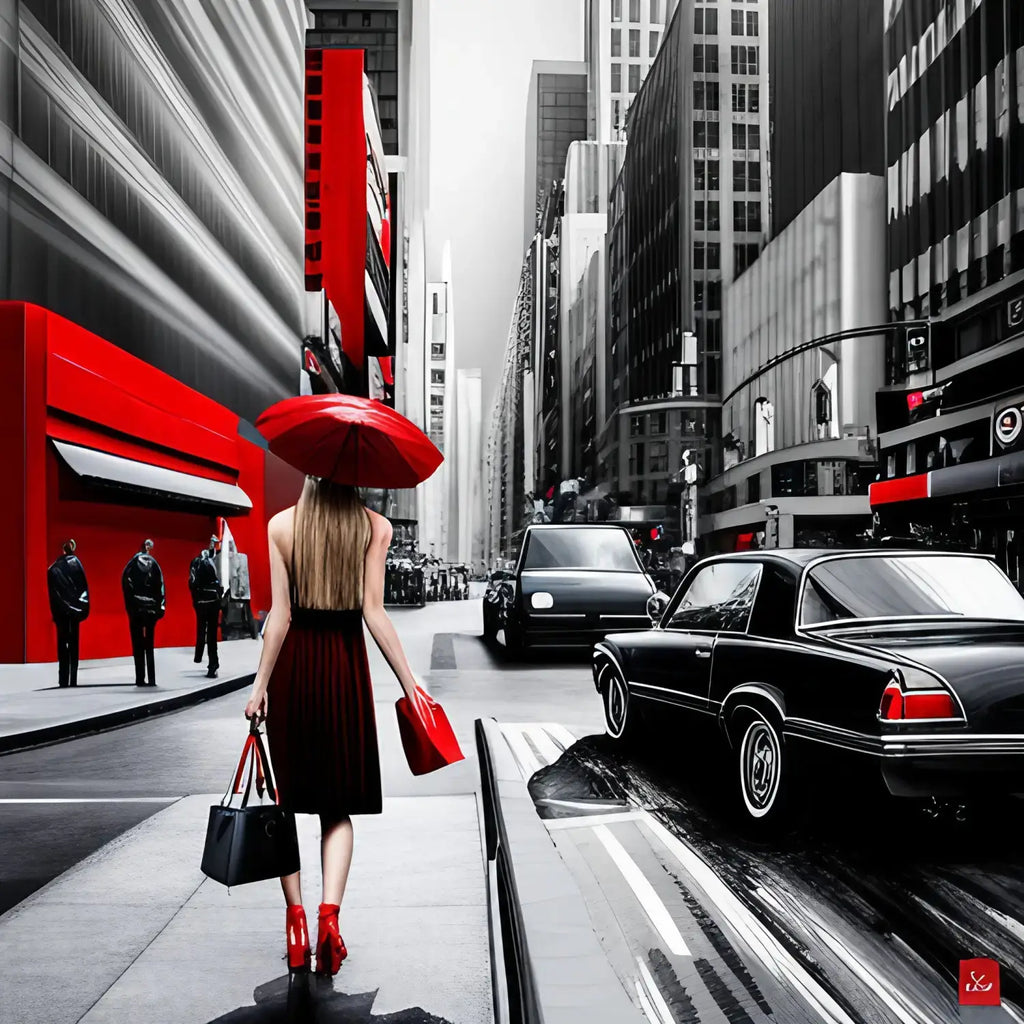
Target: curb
542,937
124,716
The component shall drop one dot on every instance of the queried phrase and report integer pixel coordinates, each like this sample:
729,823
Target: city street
858,917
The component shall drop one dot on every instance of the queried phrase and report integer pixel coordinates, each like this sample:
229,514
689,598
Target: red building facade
108,450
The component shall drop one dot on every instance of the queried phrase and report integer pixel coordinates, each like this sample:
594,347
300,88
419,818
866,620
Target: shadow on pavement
309,999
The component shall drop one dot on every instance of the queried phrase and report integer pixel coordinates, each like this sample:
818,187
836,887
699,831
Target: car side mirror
656,605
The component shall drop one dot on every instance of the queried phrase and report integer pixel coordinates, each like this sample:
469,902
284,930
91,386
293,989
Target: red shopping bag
429,741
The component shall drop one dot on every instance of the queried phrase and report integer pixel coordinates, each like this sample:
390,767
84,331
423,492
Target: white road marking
644,892
647,989
90,800
774,957
543,742
560,733
528,763
589,820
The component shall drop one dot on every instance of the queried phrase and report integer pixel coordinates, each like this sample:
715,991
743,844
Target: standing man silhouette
69,606
205,584
142,583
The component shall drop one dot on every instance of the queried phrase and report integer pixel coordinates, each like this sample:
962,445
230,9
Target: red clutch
429,741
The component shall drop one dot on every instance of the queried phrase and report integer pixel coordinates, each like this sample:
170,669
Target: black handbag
250,843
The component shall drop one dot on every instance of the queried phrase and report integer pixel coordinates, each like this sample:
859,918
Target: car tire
761,771
622,720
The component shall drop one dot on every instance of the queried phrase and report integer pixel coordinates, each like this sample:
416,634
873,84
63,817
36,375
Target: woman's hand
420,700
257,706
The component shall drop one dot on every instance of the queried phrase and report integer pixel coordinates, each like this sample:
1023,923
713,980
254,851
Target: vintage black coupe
571,586
907,666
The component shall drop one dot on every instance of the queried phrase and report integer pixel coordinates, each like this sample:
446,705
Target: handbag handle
254,752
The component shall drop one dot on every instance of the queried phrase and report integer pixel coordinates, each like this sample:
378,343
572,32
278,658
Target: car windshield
908,586
581,548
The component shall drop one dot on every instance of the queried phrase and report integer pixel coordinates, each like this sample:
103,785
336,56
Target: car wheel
621,717
490,627
761,762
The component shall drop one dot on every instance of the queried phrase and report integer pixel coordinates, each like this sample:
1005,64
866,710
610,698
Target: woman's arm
377,619
276,628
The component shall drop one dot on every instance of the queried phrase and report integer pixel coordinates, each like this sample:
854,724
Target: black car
805,664
571,586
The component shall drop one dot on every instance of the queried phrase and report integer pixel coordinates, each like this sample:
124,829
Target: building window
617,43
652,44
437,350
658,423
616,78
636,460
705,96
616,115
437,401
658,457
656,11
634,42
746,136
739,175
744,253
706,134
746,216
705,21
616,10
710,222
634,78
705,58
751,23
737,23
746,98
636,426
437,376
744,60
634,10
435,304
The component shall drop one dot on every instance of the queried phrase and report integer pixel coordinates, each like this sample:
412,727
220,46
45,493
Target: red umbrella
349,440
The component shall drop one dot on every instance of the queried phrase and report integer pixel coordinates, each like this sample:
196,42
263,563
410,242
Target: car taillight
901,702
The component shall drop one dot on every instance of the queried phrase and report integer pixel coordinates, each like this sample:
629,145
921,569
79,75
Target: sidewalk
34,709
120,946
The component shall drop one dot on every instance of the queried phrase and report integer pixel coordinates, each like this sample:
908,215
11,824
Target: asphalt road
867,903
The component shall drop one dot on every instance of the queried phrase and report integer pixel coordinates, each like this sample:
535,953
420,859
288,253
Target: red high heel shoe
330,946
299,953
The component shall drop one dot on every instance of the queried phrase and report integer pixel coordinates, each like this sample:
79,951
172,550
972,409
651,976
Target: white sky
480,57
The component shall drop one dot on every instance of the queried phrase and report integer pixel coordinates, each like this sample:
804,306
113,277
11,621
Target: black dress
321,725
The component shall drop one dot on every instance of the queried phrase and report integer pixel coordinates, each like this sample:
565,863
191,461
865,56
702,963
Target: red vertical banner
343,196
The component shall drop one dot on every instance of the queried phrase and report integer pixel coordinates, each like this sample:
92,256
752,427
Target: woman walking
327,564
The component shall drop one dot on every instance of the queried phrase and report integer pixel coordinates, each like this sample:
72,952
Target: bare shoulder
380,528
279,528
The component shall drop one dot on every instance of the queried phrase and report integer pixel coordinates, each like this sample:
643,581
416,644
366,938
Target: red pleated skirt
321,725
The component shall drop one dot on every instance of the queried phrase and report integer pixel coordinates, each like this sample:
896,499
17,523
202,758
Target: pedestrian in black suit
69,606
207,594
142,583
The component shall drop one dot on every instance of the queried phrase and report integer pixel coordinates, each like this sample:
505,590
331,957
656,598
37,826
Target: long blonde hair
332,531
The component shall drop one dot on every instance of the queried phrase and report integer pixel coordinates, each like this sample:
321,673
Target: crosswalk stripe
543,742
654,908
528,762
560,733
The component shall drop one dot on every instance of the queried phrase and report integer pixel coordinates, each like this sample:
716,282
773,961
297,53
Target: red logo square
979,983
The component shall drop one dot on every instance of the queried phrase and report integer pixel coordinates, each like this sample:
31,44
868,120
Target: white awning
90,464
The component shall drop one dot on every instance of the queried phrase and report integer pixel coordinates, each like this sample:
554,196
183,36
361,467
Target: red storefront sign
979,982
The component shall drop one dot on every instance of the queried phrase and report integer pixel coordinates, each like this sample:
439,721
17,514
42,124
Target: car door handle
703,652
